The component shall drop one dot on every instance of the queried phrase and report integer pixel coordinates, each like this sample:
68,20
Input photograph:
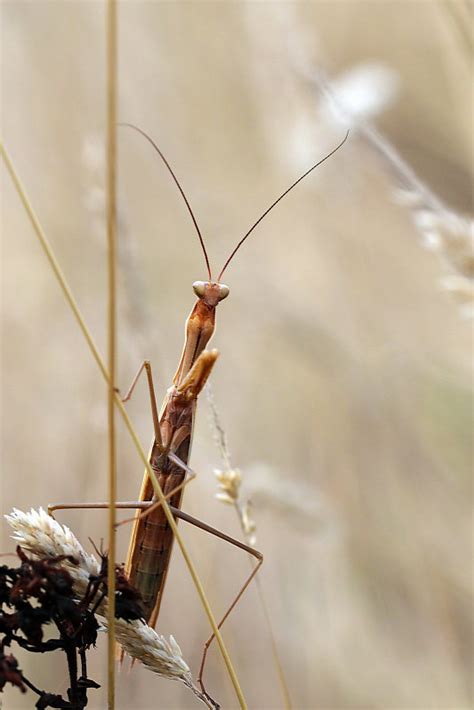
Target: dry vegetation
344,382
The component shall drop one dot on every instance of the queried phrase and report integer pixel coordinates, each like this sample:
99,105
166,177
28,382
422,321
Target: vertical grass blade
111,39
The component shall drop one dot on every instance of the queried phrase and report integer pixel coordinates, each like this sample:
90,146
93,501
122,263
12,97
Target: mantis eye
199,288
210,292
223,291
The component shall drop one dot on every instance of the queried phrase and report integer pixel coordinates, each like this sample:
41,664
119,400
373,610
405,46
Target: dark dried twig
40,592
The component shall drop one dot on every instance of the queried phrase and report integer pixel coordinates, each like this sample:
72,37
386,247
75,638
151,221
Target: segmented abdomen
153,536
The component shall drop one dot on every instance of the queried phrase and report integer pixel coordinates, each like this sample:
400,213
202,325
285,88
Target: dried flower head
229,492
361,93
40,594
451,237
229,485
44,537
230,478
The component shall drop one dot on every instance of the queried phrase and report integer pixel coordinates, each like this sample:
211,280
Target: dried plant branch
43,537
40,593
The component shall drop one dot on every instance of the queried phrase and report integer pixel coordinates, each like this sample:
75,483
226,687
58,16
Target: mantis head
211,292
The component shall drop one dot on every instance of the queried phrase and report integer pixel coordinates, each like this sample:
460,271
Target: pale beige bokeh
345,372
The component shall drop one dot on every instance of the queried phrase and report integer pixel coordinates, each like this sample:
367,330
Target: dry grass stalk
230,479
229,482
42,536
111,190
451,237
444,231
304,505
355,99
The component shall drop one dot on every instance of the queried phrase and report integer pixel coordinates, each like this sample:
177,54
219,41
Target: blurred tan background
344,383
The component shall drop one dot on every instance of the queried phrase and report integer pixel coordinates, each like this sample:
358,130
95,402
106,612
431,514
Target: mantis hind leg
250,550
178,513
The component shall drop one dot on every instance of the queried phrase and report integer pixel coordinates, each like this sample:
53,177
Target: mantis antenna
247,234
201,240
277,201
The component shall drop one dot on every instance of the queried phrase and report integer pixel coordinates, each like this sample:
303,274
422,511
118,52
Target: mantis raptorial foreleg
189,389
178,513
146,365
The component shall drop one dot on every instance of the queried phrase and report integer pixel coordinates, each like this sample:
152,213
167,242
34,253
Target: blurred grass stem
242,514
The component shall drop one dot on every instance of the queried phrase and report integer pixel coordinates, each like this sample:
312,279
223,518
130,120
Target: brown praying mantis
152,539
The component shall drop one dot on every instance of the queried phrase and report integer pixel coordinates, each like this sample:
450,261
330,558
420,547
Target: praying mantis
152,539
